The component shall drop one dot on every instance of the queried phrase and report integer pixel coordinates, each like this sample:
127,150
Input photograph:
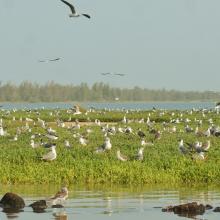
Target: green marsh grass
162,164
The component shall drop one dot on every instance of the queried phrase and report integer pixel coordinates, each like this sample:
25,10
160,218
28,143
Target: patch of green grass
162,163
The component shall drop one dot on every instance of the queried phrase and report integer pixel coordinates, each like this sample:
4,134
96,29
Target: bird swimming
74,13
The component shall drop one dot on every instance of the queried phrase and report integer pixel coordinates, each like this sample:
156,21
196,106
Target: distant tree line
54,92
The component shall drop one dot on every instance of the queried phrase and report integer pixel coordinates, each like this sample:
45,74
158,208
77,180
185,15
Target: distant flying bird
119,74
74,13
56,59
49,60
105,74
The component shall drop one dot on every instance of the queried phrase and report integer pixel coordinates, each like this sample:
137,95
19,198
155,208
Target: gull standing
74,13
52,155
105,146
140,154
120,156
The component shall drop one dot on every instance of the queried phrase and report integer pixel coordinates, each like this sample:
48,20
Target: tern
74,13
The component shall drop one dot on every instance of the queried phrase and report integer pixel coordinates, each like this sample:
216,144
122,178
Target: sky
171,44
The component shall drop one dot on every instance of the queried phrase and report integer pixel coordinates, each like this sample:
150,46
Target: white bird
182,149
74,13
146,143
52,137
52,155
105,146
82,141
67,144
120,156
60,196
199,156
206,145
140,154
51,131
34,145
2,132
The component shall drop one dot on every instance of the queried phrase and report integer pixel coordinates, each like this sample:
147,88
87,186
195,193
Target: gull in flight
50,60
119,74
74,13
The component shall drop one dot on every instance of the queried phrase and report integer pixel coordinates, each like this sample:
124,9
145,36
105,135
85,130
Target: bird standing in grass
120,156
52,155
105,146
140,154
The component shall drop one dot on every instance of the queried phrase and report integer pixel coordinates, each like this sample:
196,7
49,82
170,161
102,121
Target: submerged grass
162,163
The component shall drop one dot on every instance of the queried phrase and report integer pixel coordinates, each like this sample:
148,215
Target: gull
140,154
120,156
56,59
51,131
105,146
188,129
124,120
60,196
199,156
128,130
52,137
182,149
46,145
206,145
74,13
146,143
119,74
52,155
50,60
83,141
2,132
67,144
34,145
140,133
105,74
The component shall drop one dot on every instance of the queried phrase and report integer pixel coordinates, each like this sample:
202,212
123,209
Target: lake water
114,105
115,202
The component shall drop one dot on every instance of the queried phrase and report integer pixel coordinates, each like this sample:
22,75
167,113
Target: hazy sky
172,44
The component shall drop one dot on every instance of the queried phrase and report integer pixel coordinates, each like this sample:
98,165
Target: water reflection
115,202
12,213
60,215
108,206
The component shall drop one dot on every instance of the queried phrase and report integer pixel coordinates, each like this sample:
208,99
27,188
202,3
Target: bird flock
149,132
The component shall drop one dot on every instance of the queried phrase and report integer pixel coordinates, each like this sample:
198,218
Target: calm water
114,105
115,202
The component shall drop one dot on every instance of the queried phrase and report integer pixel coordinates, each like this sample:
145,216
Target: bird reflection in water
60,215
108,210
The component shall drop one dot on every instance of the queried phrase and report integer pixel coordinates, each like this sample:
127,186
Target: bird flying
73,11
